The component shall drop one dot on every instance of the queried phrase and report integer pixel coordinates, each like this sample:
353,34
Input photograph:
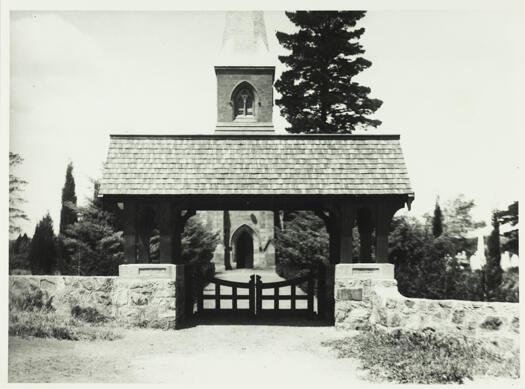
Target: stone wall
364,303
145,302
262,82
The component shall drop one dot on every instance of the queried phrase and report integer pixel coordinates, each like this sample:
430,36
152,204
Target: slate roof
267,165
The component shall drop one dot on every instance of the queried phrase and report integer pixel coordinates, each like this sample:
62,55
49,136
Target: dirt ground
218,355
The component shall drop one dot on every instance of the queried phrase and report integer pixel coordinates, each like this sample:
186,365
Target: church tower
245,75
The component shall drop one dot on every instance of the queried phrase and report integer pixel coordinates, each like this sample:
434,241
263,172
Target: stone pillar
130,231
166,230
346,224
365,227
354,289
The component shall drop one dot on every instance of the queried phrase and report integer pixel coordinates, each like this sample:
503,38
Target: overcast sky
449,81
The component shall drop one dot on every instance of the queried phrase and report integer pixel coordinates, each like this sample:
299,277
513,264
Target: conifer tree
437,221
42,252
318,93
68,214
493,271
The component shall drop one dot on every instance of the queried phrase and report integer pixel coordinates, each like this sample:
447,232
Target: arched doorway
243,250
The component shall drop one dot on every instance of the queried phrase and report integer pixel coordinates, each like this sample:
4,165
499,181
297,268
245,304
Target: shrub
88,314
29,299
425,357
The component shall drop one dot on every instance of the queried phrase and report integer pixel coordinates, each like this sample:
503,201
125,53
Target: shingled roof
265,165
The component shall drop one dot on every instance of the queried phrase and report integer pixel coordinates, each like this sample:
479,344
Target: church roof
256,164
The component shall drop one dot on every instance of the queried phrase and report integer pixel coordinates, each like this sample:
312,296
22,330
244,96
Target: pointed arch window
244,103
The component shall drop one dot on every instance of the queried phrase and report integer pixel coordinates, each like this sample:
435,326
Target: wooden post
365,226
130,231
346,223
166,227
383,217
332,224
384,213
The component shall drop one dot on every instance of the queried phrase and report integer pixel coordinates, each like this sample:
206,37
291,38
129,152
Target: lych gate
347,180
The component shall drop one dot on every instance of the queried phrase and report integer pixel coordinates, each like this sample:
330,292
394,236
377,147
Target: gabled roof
265,165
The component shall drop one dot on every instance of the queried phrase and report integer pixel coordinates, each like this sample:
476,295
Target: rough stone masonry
373,300
131,299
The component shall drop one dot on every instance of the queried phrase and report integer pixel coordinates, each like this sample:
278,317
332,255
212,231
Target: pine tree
493,272
318,94
42,252
68,214
437,221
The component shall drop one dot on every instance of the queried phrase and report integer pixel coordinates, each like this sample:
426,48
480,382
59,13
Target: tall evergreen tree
318,93
42,252
437,221
68,214
493,272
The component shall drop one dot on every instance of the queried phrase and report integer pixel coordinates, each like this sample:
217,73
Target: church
245,75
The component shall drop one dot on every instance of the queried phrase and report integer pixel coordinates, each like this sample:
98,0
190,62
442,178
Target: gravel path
218,355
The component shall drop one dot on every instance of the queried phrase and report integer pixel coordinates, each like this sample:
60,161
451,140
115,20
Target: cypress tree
318,93
493,273
437,221
42,252
68,214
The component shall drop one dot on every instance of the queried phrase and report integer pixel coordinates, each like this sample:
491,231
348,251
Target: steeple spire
244,40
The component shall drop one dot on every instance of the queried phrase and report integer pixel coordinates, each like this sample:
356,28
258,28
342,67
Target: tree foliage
92,245
42,252
16,186
302,243
318,90
493,272
68,214
458,223
509,217
428,266
18,253
437,221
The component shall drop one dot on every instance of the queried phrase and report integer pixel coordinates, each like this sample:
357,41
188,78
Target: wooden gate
228,295
292,296
217,288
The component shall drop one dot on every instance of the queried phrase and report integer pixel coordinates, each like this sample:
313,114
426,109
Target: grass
49,324
31,314
426,357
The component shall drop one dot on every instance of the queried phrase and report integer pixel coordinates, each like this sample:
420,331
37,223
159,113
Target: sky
449,81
